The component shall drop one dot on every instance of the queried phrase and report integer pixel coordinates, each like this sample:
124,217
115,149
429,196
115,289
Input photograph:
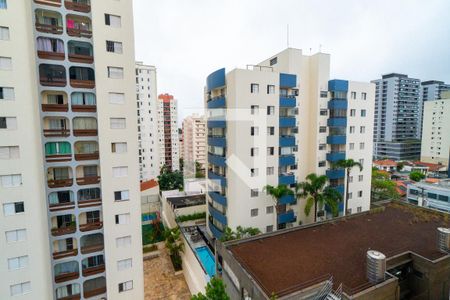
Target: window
322,164
8,123
118,147
269,210
117,123
21,288
3,4
113,21
122,219
273,61
270,110
361,161
16,263
9,152
323,112
323,94
270,170
115,72
322,129
352,146
270,151
363,112
352,129
352,112
361,146
350,179
362,129
120,172
254,193
6,93
115,47
8,181
16,235
10,209
124,264
270,89
254,212
360,193
254,172
322,146
254,109
349,211
254,151
125,286
270,130
122,195
4,32
360,177
363,96
123,242
350,195
359,209
116,98
254,88
353,95
269,228
5,63
254,131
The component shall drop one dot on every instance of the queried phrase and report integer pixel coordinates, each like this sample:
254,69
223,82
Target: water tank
443,239
376,266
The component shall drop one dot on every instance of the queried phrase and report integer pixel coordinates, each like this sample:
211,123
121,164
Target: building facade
275,123
432,195
194,140
433,89
168,132
147,115
70,198
398,117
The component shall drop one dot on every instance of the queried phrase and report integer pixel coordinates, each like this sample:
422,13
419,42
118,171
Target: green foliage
174,245
277,192
215,290
382,187
241,232
194,216
170,180
347,164
416,176
150,235
273,296
199,172
400,166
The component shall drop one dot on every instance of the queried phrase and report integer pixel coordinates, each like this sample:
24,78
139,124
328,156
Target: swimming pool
149,216
207,260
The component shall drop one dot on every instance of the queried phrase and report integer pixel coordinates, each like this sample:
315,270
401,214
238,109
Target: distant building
433,89
181,142
433,195
398,117
168,132
194,146
385,165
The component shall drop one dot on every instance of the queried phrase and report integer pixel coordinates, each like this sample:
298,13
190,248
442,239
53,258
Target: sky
188,39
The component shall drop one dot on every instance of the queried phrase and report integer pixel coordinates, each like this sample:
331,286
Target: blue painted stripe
287,141
335,173
217,141
215,196
217,102
336,139
288,199
286,179
217,215
215,80
217,160
338,85
288,80
215,231
222,180
340,188
341,122
338,104
286,160
287,121
288,101
286,217
217,124
335,156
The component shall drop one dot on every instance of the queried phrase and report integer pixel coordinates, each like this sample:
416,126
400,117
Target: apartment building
436,131
168,132
70,202
398,117
194,145
147,121
273,124
434,195
433,89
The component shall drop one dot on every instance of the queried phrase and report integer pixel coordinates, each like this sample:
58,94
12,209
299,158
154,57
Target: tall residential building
194,146
275,123
436,131
433,89
147,121
70,200
398,117
168,132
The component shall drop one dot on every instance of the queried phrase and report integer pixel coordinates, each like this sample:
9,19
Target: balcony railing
286,217
89,203
61,206
55,107
94,270
76,6
47,28
84,108
71,297
51,55
286,178
94,292
53,81
86,156
82,83
85,132
88,180
63,254
66,276
48,2
64,230
87,59
56,183
92,248
60,132
58,157
79,32
217,197
91,226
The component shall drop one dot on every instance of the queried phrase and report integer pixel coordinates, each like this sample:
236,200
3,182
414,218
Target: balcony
80,52
94,287
216,80
66,271
88,175
338,104
61,200
286,217
54,101
218,141
78,26
64,248
287,101
49,2
83,6
286,160
85,126
90,220
286,179
59,177
68,292
217,124
64,224
287,122
89,197
52,75
213,176
337,122
336,139
288,80
217,233
217,102
48,21
287,141
335,156
58,151
335,173
216,214
81,77
338,85
49,48
92,243
93,265
288,199
56,127
340,188
86,150
216,160
217,197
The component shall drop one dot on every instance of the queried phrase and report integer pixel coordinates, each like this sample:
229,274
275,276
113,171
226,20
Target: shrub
194,216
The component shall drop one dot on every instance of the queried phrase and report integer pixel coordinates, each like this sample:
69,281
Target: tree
278,192
400,166
315,192
170,180
174,245
241,232
199,172
215,290
348,165
382,188
416,176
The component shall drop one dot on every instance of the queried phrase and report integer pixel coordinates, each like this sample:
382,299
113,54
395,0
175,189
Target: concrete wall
192,270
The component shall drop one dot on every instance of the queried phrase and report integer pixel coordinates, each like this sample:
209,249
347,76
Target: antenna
287,35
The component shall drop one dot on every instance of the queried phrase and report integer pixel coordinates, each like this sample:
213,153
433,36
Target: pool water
207,260
149,216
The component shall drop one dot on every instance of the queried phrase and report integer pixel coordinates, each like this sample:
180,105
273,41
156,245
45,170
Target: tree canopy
215,290
416,176
170,180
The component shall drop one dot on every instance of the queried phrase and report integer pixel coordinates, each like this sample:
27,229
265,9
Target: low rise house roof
385,162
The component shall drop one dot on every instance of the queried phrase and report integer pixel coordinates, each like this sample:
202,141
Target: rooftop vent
376,266
443,239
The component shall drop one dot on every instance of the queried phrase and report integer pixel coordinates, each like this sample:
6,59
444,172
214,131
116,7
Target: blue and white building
432,195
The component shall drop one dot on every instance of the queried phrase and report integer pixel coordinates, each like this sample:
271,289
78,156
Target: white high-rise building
194,144
147,114
433,89
168,132
70,201
273,124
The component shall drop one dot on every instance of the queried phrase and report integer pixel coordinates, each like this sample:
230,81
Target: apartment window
322,164
351,146
362,129
254,130
122,219
123,242
270,151
360,193
118,147
10,209
270,170
270,110
269,210
352,129
3,4
117,123
254,88
9,152
322,146
361,161
4,32
254,109
350,179
350,195
120,172
115,72
254,193
352,112
254,172
124,264
16,263
323,112
5,63
353,95
122,195
6,93
273,61
117,98
323,94
21,288
349,211
360,177
359,208
254,212
125,286
115,47
269,228
361,146
271,130
363,112
322,129
9,123
13,180
270,89
363,96
254,152
113,21
16,235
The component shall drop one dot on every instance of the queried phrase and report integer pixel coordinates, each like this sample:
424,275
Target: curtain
85,123
77,98
59,46
53,198
50,149
68,267
90,171
60,173
89,98
44,44
64,148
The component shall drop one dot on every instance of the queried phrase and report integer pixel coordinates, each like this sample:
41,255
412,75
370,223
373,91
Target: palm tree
348,165
278,192
316,193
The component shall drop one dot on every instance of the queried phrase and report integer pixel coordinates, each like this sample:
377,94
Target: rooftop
295,258
385,162
148,184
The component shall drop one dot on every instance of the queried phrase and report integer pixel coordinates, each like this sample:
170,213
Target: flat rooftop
292,260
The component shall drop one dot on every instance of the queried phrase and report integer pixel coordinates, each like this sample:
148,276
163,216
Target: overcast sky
188,39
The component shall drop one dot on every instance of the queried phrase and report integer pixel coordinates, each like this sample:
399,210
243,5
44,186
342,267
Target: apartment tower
147,121
168,132
69,186
273,124
194,145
